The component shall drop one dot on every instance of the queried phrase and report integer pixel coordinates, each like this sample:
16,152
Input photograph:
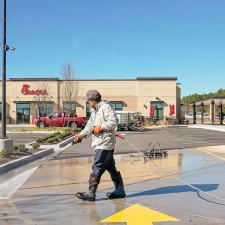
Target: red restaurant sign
26,91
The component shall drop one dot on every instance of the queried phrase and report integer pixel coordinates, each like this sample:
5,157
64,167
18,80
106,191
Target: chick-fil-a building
31,97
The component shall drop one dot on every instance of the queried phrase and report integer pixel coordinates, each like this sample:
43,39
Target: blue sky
120,39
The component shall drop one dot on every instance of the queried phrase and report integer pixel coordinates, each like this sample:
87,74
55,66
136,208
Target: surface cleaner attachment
155,151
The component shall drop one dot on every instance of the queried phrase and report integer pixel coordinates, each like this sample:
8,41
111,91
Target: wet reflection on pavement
48,195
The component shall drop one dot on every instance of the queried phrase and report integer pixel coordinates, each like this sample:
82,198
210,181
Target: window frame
115,104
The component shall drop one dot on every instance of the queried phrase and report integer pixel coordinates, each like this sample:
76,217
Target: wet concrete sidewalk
47,197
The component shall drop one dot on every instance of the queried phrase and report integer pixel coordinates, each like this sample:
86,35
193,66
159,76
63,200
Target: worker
101,124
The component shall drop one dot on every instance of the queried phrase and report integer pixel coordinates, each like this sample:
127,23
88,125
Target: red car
59,119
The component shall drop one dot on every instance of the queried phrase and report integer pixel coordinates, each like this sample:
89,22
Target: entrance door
158,109
23,113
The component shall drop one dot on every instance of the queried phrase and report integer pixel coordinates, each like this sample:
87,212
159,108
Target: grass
29,129
4,153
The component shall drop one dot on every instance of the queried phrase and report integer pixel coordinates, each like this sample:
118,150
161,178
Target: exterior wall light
7,48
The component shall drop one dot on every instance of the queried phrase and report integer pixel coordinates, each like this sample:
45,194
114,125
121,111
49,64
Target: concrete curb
177,125
65,142
208,127
19,162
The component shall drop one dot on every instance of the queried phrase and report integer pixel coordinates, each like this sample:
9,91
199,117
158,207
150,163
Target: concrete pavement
24,138
48,195
215,127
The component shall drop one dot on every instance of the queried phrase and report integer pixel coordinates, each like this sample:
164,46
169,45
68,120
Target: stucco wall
150,90
135,94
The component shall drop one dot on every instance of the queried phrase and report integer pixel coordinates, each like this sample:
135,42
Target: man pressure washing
101,125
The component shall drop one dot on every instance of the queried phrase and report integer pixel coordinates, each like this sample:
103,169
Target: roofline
34,79
156,78
58,79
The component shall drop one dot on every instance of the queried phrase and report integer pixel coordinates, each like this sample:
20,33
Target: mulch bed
16,155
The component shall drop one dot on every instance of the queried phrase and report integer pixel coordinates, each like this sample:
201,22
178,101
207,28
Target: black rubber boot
119,187
90,195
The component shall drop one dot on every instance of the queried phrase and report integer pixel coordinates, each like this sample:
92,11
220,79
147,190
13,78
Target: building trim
34,79
156,78
32,101
58,79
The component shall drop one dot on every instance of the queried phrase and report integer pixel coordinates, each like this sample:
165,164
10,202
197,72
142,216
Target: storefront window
88,109
158,109
23,112
117,105
70,107
45,109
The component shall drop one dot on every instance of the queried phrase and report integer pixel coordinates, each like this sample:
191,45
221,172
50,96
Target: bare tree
70,88
42,99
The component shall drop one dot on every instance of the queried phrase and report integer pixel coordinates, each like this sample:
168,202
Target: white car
198,116
189,116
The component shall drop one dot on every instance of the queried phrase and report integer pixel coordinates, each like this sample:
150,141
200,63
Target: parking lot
173,190
24,138
169,138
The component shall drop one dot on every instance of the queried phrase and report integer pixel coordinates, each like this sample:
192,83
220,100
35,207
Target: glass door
158,109
23,113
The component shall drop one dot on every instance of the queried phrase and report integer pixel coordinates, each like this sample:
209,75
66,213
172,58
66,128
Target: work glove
78,138
97,130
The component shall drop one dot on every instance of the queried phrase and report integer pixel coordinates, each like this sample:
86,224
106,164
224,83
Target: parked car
189,116
59,119
198,115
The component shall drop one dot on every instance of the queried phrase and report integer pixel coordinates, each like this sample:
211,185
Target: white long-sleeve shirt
103,116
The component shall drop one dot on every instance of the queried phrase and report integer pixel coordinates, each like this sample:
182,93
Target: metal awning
17,101
73,102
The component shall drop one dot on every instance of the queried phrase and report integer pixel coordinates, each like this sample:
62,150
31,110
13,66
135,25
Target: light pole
4,71
5,143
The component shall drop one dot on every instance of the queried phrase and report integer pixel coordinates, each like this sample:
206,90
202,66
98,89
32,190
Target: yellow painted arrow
138,215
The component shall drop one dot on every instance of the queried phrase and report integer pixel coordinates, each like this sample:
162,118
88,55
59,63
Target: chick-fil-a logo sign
26,91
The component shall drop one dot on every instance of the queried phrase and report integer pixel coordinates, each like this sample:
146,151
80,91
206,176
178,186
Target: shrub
42,139
54,135
68,130
51,140
46,138
65,134
20,148
4,153
35,146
